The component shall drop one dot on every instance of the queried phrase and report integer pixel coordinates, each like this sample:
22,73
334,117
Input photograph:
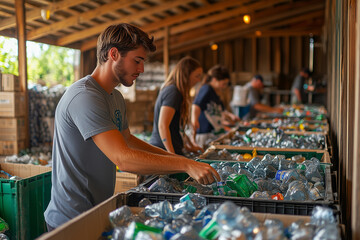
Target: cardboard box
12,129
125,181
24,170
12,104
11,147
93,222
10,82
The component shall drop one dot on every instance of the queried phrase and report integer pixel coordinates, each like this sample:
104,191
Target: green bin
23,202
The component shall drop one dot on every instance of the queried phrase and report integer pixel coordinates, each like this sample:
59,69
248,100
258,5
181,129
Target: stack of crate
12,115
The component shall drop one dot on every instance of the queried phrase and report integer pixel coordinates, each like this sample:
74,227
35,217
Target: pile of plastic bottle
34,155
182,221
272,177
288,124
276,138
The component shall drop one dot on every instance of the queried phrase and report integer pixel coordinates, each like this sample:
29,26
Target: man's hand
203,173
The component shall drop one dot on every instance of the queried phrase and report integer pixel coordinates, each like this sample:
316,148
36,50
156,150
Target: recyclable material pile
270,177
287,124
35,155
275,139
42,105
191,219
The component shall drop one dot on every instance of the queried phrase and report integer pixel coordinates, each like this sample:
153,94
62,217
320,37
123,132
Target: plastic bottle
186,207
120,217
144,202
198,200
241,184
210,231
162,210
136,227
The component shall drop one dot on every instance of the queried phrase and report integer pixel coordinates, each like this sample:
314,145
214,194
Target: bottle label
281,175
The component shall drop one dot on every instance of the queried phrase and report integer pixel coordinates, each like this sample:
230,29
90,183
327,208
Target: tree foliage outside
45,63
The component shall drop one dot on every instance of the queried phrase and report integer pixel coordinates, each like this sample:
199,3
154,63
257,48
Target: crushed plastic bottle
135,228
161,185
261,195
241,184
322,216
121,217
163,210
186,207
297,191
198,200
144,202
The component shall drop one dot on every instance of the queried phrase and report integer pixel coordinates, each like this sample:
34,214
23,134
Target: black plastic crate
254,205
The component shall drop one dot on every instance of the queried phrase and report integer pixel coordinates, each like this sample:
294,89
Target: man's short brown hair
125,38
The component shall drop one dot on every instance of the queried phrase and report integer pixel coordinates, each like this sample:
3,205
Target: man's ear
113,53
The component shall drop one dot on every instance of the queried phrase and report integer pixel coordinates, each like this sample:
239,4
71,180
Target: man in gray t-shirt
297,89
91,133
255,87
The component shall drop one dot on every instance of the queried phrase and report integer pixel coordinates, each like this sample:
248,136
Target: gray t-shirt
82,176
298,84
253,98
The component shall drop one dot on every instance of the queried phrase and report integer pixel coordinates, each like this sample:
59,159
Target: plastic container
255,205
23,202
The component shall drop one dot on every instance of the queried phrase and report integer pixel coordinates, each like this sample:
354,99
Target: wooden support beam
254,55
99,28
286,48
214,32
277,57
166,51
21,37
219,17
196,13
355,210
36,13
81,18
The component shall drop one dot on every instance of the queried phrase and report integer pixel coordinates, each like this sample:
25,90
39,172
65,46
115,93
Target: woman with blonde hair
172,107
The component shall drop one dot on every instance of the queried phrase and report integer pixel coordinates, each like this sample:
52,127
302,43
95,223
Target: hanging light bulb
246,19
45,14
213,46
258,33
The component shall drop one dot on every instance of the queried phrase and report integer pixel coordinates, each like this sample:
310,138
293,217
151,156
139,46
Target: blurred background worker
172,108
254,92
208,113
298,95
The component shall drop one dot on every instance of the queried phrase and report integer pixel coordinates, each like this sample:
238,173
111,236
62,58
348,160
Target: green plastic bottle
210,231
241,184
136,227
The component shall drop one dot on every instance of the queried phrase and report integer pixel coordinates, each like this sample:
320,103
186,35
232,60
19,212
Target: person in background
255,87
172,108
208,114
297,89
92,135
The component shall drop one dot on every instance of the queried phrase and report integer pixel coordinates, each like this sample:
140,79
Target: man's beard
121,74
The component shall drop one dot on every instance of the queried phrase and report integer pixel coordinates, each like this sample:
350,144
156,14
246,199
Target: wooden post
277,59
355,210
21,36
254,55
166,51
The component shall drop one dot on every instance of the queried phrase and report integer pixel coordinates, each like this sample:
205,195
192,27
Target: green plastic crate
22,205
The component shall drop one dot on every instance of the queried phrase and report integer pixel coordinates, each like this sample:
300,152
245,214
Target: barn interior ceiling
189,23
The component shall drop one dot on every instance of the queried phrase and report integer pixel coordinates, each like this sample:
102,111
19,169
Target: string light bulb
45,14
213,46
246,19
